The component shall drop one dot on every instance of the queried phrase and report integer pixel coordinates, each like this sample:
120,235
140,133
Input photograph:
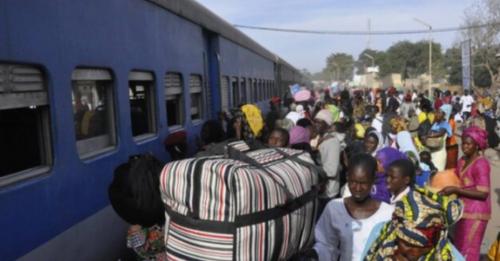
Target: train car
86,84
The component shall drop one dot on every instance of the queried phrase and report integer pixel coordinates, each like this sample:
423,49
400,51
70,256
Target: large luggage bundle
257,205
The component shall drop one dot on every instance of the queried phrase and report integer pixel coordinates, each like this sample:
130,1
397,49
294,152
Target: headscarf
285,123
253,118
325,115
300,110
399,124
406,145
380,139
276,100
387,155
446,108
421,218
478,135
334,110
359,131
407,97
391,90
298,135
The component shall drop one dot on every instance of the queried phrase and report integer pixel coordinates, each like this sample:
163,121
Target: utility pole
430,53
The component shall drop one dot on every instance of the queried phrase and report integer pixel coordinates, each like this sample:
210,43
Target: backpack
134,192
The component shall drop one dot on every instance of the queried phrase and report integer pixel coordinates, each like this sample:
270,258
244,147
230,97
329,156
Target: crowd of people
396,188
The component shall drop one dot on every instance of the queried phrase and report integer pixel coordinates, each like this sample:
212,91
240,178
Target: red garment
437,104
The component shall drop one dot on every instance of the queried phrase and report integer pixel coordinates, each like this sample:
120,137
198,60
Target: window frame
92,147
202,100
182,102
235,91
149,77
38,97
224,92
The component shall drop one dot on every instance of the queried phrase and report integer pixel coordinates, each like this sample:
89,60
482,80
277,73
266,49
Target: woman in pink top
474,171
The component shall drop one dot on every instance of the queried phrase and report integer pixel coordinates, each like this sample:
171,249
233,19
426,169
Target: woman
406,145
452,149
278,138
398,125
441,129
345,224
474,171
384,158
373,142
418,229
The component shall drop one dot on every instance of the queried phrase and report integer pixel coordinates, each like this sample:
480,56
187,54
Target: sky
310,51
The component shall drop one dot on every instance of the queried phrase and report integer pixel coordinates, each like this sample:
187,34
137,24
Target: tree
453,65
412,59
339,66
485,40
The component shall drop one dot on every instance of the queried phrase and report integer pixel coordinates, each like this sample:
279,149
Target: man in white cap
329,146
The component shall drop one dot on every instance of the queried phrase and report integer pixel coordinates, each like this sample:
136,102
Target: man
466,100
329,146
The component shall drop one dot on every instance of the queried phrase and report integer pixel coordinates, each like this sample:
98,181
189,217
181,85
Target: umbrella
302,95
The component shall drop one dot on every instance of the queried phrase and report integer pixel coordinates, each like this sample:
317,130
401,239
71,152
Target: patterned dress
147,243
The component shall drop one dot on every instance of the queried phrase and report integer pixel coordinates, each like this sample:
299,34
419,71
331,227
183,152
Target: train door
213,82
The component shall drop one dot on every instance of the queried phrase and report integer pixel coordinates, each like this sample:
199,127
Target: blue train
86,84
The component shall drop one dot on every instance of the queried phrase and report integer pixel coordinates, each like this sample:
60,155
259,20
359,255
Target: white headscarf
405,143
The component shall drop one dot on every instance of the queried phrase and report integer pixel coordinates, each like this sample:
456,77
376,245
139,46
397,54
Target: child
400,179
427,169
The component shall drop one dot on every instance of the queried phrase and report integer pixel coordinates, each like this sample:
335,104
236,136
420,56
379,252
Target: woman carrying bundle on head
436,139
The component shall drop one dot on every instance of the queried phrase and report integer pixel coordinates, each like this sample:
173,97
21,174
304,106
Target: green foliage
404,57
339,66
453,65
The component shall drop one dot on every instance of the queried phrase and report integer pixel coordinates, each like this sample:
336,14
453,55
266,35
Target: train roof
198,14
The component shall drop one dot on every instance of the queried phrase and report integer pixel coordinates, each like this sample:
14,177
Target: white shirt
377,123
396,198
294,116
341,237
466,102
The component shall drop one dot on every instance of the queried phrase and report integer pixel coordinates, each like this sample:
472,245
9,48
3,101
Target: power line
438,30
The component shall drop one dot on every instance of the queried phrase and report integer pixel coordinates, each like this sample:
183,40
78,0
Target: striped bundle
219,208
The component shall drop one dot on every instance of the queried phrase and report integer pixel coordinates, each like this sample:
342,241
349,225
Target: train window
93,113
235,92
261,90
266,89
269,89
196,91
174,99
243,91
224,93
141,99
273,88
249,90
25,149
255,89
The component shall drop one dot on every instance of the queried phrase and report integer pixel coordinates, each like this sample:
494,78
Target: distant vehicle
86,84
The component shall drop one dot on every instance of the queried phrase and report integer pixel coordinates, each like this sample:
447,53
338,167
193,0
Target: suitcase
254,205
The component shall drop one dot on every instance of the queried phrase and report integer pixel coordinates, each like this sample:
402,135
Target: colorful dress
421,219
470,229
148,243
